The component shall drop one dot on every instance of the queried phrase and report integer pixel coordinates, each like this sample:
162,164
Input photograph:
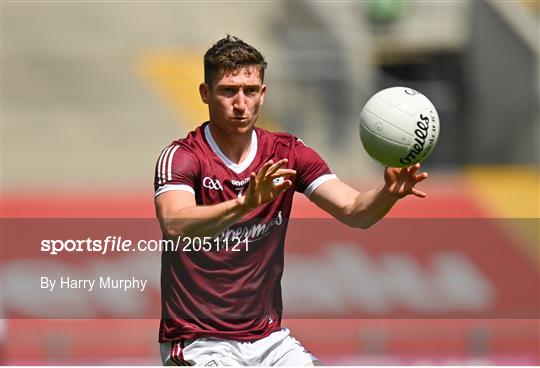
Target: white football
399,127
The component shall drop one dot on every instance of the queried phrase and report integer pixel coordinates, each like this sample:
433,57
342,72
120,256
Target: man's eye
251,91
228,91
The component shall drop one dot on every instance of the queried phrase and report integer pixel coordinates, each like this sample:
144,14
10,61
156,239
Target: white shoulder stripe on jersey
164,165
317,182
169,164
160,163
169,187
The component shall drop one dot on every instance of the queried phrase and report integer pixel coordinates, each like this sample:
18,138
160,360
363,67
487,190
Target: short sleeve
176,169
311,170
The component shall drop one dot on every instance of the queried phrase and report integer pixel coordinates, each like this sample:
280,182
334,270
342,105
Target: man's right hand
262,188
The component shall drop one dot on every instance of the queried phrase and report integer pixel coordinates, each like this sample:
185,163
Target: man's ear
204,91
263,93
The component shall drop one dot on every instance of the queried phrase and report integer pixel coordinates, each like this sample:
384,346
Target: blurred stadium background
92,91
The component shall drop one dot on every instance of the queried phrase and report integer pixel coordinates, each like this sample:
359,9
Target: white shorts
278,348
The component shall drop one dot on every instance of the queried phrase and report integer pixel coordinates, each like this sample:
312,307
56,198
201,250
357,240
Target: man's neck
236,148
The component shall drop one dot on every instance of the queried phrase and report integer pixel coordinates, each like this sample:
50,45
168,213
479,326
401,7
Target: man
229,184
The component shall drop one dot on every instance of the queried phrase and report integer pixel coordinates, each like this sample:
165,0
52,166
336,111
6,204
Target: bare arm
179,215
363,209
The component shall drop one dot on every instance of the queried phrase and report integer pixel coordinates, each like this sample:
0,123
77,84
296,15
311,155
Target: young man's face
234,100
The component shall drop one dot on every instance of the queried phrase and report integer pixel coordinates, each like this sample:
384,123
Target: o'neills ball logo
424,141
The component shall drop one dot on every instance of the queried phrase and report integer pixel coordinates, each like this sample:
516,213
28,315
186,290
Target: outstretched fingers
413,169
252,182
417,179
271,179
421,177
283,186
275,167
264,170
418,193
283,172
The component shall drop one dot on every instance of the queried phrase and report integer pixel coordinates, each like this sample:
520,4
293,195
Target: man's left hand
400,182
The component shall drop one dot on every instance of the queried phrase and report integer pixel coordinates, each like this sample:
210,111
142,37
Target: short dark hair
230,54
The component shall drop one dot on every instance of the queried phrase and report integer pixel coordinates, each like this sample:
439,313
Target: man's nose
240,101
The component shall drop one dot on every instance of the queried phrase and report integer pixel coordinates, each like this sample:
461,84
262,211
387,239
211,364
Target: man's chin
242,127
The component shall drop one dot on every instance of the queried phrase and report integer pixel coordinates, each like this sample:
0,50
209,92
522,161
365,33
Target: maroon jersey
207,287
